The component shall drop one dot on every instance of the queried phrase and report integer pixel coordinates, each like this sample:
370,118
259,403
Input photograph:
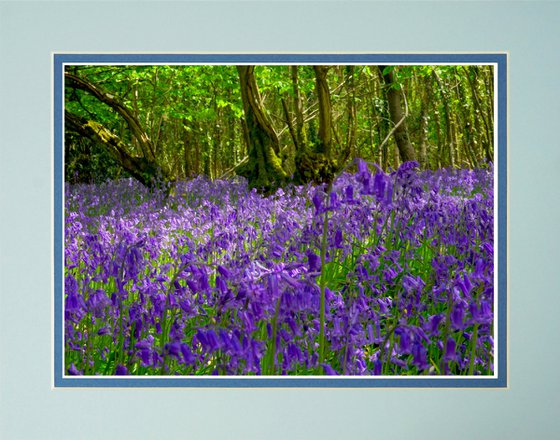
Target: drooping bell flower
121,370
349,192
405,342
329,371
419,355
318,202
103,331
273,285
364,177
338,239
188,356
221,284
173,349
450,351
458,316
334,202
465,285
433,324
73,371
223,271
314,262
383,188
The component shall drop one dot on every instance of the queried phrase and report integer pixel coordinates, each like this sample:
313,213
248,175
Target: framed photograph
280,220
391,272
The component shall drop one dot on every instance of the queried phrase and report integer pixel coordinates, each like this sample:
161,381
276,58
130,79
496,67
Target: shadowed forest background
272,124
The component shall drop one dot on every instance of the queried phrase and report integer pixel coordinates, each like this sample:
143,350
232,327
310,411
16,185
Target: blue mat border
60,380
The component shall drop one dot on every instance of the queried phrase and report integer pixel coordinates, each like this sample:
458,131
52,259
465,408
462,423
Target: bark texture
263,168
141,169
398,117
144,168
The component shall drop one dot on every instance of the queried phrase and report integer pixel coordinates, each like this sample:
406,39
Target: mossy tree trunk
316,163
325,110
263,168
301,135
145,167
138,167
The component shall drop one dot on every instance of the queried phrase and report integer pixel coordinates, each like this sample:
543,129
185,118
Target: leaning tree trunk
263,168
141,169
398,117
144,168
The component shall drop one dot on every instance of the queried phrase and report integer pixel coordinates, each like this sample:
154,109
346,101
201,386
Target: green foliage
194,116
88,162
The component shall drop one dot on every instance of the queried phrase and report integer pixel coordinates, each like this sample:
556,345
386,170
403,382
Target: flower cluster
216,279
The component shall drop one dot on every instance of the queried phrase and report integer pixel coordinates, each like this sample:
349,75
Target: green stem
474,341
272,350
446,328
323,284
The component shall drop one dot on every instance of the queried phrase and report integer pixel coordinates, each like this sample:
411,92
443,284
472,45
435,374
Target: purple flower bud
338,239
314,262
73,371
224,272
458,316
121,370
349,192
377,367
329,371
318,202
450,351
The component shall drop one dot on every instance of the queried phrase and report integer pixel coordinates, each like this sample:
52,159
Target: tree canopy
272,124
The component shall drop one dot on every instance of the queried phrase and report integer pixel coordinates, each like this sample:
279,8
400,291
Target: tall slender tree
398,117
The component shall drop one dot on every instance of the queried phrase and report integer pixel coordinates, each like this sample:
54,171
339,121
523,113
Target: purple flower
329,371
318,202
204,278
188,357
73,371
121,370
97,303
458,316
349,193
433,324
419,354
223,271
338,239
405,342
450,351
314,262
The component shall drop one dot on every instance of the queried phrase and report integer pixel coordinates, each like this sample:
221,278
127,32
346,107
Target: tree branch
112,101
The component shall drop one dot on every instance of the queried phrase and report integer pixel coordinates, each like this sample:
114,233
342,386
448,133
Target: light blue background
30,409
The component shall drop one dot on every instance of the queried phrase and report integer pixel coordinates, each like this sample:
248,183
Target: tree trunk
449,126
425,99
479,115
298,107
317,164
351,111
263,169
147,163
141,169
406,151
325,111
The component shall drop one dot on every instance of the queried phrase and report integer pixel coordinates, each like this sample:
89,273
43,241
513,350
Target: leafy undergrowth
380,274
